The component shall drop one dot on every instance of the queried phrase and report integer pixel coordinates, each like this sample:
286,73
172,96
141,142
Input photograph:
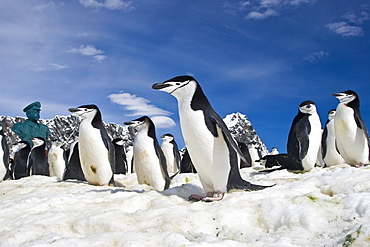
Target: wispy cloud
138,106
352,24
90,51
315,57
109,4
263,9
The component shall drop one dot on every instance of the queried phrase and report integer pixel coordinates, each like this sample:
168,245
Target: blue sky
261,58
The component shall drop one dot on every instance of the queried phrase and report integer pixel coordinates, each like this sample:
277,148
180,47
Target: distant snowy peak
64,129
242,130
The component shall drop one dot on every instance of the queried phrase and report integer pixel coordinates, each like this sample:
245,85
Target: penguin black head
167,137
87,112
331,114
307,107
118,141
176,84
347,97
139,123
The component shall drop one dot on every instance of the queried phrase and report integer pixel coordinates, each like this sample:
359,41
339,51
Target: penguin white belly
167,149
94,156
351,140
332,157
254,156
2,165
147,167
314,138
210,155
56,162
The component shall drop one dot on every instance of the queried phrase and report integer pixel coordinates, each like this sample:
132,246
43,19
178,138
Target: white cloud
109,4
138,106
345,29
352,24
315,57
162,122
262,9
58,66
90,51
261,15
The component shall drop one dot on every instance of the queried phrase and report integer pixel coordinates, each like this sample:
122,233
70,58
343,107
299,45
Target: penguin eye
178,83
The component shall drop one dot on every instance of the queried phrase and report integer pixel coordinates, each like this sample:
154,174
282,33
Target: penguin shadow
183,191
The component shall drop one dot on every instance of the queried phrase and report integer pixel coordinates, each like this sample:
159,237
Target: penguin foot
210,197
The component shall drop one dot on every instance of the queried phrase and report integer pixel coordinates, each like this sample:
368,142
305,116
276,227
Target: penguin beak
338,95
159,86
133,124
74,110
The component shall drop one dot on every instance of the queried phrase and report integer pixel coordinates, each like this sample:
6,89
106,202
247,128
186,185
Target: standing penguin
96,149
37,159
329,150
21,159
149,160
186,165
121,160
57,160
304,138
212,149
129,157
5,172
73,168
245,151
171,152
255,156
352,137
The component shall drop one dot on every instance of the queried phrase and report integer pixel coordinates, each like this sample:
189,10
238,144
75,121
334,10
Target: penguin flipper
303,142
217,121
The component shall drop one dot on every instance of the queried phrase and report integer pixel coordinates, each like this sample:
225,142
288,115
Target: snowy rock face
242,130
63,129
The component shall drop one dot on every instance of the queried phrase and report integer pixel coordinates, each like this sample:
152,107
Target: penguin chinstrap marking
351,133
148,158
95,147
304,138
37,159
5,172
171,152
211,147
329,150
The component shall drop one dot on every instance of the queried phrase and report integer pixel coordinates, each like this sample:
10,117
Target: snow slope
324,207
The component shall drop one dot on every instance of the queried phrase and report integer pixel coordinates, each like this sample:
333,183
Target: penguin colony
210,149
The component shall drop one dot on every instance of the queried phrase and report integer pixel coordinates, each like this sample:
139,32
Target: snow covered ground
324,207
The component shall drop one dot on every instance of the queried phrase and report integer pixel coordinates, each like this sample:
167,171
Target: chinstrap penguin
329,150
96,149
171,152
212,149
121,160
57,160
352,137
148,158
304,138
37,159
21,159
73,168
5,172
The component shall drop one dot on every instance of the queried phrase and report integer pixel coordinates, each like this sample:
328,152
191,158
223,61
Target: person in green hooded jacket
31,127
